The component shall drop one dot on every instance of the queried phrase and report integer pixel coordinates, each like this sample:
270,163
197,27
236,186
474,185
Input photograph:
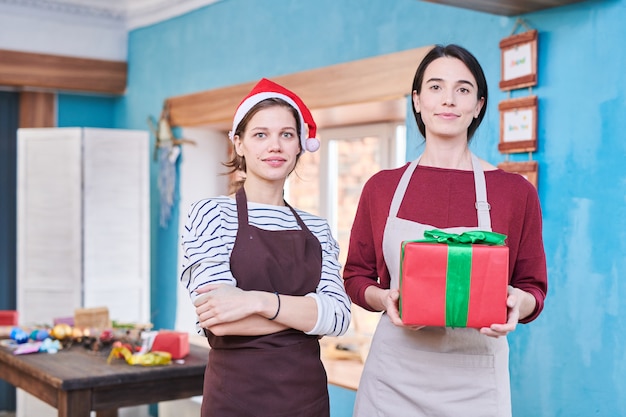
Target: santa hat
268,89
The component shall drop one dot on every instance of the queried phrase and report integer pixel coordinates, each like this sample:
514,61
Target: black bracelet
278,309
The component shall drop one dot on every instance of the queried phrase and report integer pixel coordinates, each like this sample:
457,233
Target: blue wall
341,401
569,362
572,362
86,111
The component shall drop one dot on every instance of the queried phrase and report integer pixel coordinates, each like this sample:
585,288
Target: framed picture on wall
518,125
527,169
519,61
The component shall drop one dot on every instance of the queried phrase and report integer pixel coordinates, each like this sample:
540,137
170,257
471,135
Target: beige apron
435,371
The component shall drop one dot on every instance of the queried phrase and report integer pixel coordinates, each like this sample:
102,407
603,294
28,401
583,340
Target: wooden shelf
43,71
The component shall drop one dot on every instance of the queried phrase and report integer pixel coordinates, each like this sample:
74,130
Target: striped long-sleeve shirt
209,237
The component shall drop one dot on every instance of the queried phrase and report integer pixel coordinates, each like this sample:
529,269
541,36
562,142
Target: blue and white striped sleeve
206,249
333,304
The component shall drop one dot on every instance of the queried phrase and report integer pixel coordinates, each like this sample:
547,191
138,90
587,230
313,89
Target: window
329,182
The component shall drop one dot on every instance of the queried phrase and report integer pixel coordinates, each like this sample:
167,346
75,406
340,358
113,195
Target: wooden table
343,370
76,381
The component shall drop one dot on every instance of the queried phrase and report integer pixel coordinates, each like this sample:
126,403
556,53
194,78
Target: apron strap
242,207
401,188
298,219
482,205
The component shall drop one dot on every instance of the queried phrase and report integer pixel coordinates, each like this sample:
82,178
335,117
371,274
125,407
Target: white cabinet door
116,223
49,231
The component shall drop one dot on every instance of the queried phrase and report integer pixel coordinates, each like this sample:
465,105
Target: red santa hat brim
265,89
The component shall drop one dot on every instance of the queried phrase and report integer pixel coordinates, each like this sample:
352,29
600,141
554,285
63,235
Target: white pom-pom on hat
312,144
265,89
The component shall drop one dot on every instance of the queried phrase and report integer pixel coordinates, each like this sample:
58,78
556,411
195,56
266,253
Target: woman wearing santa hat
264,277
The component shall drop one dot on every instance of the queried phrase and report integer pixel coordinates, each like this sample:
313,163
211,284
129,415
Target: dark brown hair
470,61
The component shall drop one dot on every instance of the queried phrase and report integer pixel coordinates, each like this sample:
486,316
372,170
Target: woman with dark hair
463,55
437,370
264,277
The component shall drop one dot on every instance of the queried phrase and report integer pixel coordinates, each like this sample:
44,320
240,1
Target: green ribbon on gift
459,269
472,237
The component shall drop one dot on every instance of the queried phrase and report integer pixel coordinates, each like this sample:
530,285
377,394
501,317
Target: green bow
477,236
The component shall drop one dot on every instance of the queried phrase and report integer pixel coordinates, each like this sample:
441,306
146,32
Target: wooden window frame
351,86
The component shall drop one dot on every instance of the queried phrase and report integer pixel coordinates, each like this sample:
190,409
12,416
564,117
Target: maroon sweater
445,198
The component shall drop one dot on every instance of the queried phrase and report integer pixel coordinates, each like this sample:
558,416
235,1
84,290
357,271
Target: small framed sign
519,61
527,169
518,125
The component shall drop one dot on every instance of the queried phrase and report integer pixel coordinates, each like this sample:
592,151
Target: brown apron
275,375
435,371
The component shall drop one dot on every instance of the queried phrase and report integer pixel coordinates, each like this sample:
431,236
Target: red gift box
453,284
173,342
8,318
